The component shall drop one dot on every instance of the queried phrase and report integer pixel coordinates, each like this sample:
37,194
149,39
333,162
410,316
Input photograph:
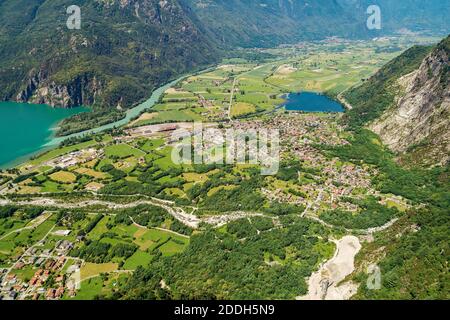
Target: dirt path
323,284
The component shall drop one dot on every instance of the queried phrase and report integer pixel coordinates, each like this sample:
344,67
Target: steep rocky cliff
82,90
407,103
419,120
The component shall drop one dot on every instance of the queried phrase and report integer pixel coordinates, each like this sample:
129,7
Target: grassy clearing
10,224
123,151
99,229
165,161
143,118
51,186
171,248
394,204
43,229
167,242
175,192
139,258
126,165
63,177
92,173
92,269
95,186
152,145
89,289
214,190
25,274
195,177
59,152
177,115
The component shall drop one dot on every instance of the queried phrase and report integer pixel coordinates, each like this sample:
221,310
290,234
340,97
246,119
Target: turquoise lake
311,102
26,128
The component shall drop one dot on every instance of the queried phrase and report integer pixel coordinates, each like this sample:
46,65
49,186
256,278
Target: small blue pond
311,102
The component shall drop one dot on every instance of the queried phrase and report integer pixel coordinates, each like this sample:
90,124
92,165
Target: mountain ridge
103,61
127,48
407,103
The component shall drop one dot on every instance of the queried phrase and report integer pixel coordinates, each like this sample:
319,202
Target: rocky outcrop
418,122
83,90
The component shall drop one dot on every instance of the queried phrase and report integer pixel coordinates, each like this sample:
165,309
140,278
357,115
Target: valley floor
89,218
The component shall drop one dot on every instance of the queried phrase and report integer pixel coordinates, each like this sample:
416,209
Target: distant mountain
125,48
271,22
251,23
408,104
405,15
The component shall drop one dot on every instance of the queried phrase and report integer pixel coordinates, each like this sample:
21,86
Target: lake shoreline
27,127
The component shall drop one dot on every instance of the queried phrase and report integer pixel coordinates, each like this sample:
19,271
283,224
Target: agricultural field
242,108
253,89
92,270
63,177
330,72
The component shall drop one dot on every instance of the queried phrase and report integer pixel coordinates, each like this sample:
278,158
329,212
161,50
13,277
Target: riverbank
53,141
344,102
325,283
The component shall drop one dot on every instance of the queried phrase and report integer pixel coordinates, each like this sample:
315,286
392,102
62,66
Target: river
130,114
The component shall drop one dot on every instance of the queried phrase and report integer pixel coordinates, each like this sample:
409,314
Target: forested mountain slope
122,51
249,23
